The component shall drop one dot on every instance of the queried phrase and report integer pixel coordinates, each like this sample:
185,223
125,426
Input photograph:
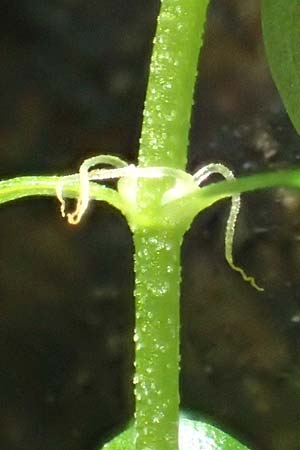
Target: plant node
183,184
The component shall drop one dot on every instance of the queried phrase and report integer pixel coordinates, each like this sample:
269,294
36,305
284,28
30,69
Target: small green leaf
193,435
196,435
281,32
124,440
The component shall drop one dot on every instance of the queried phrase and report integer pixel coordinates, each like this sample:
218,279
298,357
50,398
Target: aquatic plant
160,200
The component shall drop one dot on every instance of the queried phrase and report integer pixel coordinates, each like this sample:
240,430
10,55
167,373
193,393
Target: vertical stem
170,89
164,142
157,268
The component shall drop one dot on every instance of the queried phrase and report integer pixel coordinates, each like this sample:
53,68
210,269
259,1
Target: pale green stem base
157,270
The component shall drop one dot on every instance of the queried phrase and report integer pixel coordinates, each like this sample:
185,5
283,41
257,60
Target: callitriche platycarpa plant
160,199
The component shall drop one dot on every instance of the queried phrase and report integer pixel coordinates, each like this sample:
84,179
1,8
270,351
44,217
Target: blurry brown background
72,82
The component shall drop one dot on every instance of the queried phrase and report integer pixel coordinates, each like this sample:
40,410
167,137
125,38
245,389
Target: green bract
281,29
193,435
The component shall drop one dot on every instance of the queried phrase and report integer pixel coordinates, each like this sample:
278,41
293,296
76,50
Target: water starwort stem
173,70
164,142
157,290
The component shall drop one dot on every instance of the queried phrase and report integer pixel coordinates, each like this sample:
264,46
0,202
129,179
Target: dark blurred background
72,81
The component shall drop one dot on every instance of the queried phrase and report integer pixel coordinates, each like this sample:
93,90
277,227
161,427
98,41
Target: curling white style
200,176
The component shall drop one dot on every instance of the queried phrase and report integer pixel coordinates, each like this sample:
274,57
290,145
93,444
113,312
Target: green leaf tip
281,32
193,435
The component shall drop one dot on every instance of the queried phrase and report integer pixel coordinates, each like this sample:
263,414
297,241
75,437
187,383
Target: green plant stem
157,291
169,97
163,142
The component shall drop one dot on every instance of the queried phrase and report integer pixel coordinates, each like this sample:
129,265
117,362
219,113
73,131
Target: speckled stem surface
157,291
173,70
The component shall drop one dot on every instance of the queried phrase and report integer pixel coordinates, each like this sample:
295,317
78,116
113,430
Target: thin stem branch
196,201
21,187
